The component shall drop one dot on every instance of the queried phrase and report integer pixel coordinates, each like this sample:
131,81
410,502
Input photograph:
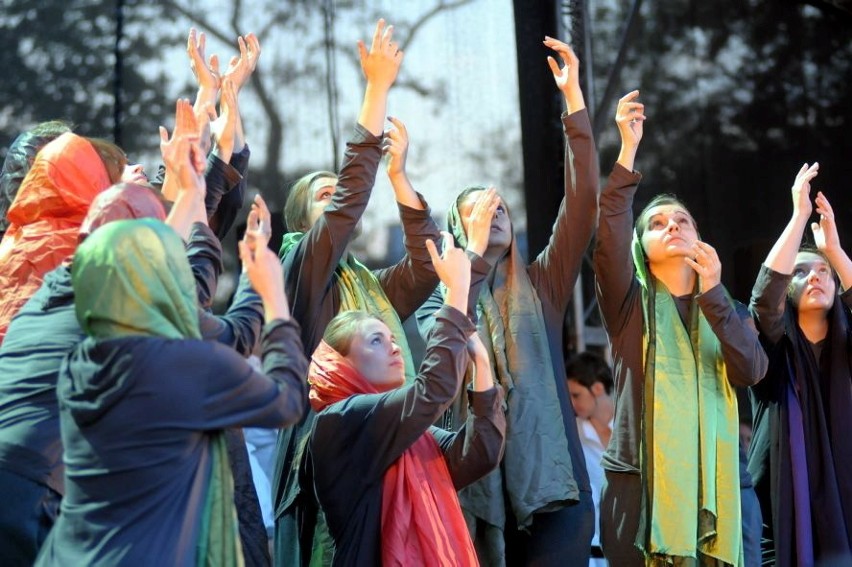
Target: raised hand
259,224
395,147
381,63
453,268
240,68
629,116
206,72
568,77
825,231
801,190
182,154
478,224
706,264
264,272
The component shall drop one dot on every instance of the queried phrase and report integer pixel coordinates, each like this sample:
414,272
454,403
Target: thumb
164,135
815,228
448,241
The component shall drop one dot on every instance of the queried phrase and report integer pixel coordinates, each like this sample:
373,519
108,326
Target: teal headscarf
132,277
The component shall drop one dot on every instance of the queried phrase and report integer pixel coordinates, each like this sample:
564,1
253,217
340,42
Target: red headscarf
422,522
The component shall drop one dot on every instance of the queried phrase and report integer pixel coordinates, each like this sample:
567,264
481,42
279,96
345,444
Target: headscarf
690,426
44,219
131,278
422,522
120,202
537,470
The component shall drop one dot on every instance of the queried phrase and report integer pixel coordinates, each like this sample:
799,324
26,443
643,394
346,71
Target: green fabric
511,325
218,537
360,290
690,425
132,277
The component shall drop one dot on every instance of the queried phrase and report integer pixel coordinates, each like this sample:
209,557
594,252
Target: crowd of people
124,399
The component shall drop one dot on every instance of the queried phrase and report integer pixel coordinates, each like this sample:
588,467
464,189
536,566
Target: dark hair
587,368
661,199
341,330
296,206
112,157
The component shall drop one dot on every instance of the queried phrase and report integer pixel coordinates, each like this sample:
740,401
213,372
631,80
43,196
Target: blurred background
738,94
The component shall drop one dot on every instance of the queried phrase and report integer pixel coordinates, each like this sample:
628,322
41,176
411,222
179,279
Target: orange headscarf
44,219
422,522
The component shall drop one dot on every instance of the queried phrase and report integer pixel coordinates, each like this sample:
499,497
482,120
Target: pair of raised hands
824,231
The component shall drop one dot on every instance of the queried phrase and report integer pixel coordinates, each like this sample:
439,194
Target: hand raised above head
240,68
569,75
381,63
630,117
206,72
801,190
259,224
826,238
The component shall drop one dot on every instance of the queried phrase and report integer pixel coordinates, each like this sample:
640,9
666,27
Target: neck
676,275
814,324
604,411
493,255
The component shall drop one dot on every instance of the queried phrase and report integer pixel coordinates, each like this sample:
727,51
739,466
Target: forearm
373,109
404,191
745,360
841,264
769,301
782,256
187,209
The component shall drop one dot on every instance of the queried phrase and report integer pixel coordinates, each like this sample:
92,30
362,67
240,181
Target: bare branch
424,19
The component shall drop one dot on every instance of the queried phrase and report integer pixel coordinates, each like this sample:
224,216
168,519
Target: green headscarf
537,470
690,425
360,290
132,277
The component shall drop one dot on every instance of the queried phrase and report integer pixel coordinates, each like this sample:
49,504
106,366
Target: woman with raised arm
801,451
323,213
143,402
385,477
679,344
537,508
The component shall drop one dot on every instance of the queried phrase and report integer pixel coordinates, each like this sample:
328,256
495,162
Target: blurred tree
60,62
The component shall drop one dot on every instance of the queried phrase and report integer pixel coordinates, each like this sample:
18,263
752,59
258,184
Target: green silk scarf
360,290
690,426
132,277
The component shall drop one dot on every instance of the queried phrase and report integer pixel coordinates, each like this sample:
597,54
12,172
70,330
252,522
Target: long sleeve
240,326
236,395
745,360
409,282
555,270
309,267
204,252
231,201
477,448
615,274
769,303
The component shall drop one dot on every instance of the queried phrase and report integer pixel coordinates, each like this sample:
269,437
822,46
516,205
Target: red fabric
422,522
45,218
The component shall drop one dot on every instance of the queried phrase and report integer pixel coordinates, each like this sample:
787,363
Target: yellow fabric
691,425
360,290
